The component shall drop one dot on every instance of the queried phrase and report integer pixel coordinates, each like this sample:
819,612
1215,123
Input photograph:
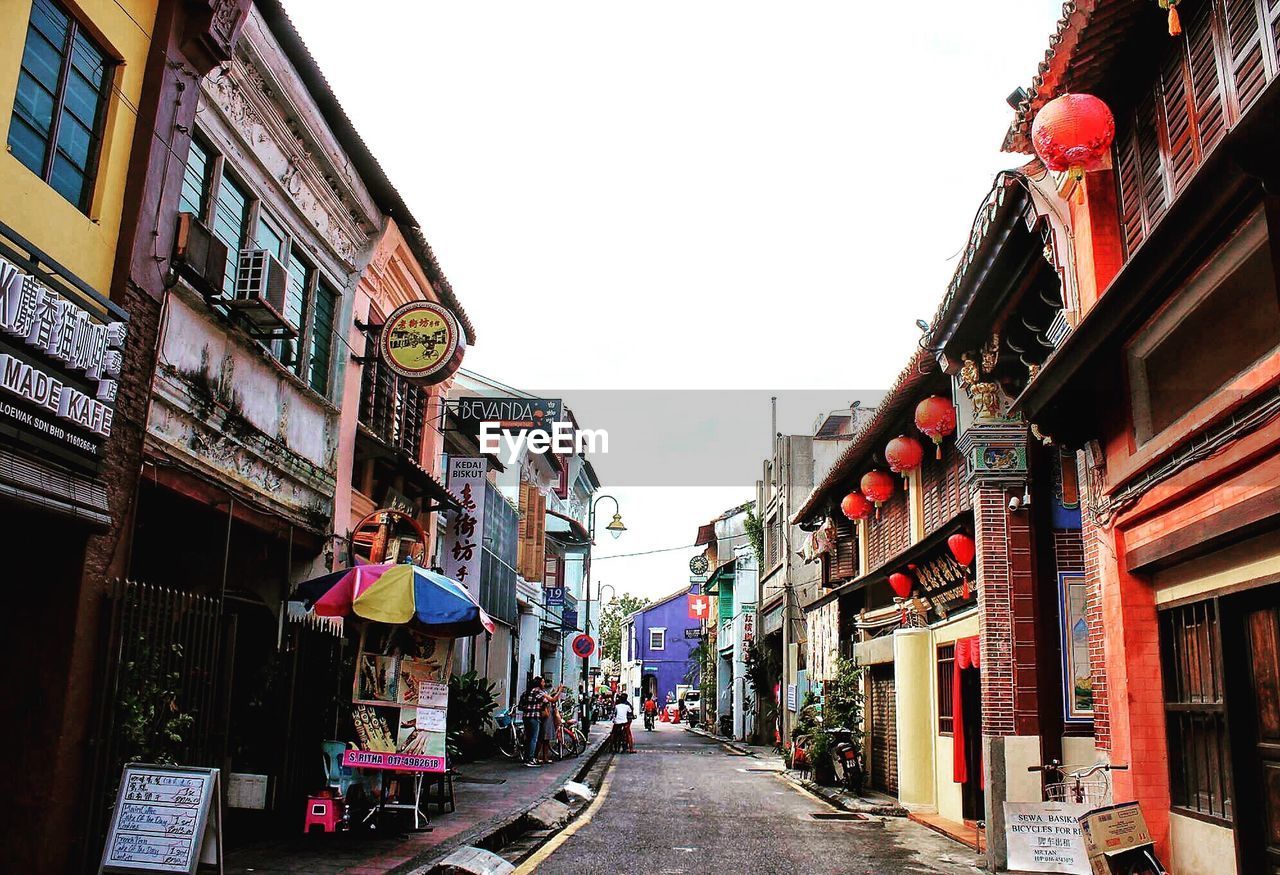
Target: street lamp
615,528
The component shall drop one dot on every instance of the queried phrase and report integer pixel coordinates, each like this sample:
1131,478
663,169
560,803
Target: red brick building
1165,382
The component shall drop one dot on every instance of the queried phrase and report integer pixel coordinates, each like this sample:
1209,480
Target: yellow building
71,71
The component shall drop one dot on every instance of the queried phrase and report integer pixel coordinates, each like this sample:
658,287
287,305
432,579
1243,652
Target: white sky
686,195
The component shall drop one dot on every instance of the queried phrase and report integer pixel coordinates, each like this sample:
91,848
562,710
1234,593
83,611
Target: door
1260,820
883,754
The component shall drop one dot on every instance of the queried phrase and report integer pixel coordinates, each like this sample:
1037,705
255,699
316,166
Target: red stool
322,811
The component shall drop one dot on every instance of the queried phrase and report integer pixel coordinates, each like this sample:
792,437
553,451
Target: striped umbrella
397,594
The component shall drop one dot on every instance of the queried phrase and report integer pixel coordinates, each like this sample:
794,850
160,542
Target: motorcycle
648,720
846,761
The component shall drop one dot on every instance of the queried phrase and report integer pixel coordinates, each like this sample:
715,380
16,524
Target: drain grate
836,815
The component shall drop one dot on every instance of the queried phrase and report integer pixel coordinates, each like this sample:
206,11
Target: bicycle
510,737
1085,786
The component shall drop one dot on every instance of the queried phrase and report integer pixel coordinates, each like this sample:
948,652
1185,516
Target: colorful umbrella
397,594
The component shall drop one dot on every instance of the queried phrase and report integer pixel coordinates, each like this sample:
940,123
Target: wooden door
1261,831
883,741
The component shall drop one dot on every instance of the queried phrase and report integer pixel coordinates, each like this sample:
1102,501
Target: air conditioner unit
199,257
261,281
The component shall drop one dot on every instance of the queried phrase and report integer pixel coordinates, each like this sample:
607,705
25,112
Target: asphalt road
684,803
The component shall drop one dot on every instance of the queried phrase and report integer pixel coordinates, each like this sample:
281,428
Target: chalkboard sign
162,822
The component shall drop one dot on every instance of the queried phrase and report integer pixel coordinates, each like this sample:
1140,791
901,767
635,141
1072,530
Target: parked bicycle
510,737
1089,785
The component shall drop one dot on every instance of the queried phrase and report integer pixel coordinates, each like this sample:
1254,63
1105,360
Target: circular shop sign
584,645
422,341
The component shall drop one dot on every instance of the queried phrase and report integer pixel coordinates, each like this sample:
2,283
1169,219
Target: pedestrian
550,720
531,707
623,714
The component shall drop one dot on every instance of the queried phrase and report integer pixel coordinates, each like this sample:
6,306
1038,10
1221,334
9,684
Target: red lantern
903,454
855,506
901,584
936,417
1073,133
961,546
877,486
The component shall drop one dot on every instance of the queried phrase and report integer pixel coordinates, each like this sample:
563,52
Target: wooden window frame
110,65
1177,707
946,682
216,171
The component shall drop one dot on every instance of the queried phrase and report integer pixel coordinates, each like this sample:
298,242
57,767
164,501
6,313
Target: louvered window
841,562
391,407
1205,83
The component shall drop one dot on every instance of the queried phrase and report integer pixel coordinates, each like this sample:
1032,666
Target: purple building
657,641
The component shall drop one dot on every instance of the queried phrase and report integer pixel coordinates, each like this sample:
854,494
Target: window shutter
1150,167
1206,79
1127,179
539,526
523,542
1180,144
1244,51
844,555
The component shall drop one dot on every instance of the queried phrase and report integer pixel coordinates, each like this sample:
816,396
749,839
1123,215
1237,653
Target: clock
698,564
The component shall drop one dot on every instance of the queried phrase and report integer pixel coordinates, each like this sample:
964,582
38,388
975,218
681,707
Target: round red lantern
1073,133
903,454
877,486
936,417
961,546
901,584
855,506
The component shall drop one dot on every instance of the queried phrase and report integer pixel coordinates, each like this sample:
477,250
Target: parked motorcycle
846,761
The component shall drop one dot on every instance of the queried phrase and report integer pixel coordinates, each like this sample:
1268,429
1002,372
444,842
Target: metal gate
159,691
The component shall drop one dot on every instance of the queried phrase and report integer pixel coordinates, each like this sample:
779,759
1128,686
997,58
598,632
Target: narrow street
684,803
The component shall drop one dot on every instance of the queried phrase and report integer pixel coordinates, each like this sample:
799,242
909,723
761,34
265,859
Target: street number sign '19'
584,645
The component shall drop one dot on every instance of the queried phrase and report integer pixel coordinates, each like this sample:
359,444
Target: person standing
532,704
550,720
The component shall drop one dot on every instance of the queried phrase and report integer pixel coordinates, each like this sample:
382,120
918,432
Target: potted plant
471,706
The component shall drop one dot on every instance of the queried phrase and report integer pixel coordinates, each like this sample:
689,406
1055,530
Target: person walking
532,704
650,712
623,714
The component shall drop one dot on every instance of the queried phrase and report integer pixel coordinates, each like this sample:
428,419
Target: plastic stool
322,811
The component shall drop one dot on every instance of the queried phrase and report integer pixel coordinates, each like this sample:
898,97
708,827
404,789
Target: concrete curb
831,795
479,833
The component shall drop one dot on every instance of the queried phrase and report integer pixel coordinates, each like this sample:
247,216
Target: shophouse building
658,644
89,97
1163,382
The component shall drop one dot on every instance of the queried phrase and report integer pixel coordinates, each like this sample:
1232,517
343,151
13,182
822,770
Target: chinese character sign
465,533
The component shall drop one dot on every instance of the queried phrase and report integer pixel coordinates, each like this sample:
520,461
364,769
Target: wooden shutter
524,543
1175,95
844,554
1127,180
1208,96
539,537
1155,200
1246,59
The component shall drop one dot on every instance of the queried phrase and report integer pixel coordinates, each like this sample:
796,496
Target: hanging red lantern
1175,24
936,417
855,506
901,584
877,486
1073,133
904,454
961,546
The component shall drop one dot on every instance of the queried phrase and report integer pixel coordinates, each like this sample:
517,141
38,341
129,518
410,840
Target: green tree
611,623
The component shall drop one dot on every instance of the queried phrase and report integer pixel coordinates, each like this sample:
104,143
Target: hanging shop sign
554,596
1045,837
422,341
512,415
699,607
944,584
166,819
692,633
748,622
400,700
465,533
569,620
60,365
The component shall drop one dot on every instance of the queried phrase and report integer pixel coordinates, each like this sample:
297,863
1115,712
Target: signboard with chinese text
1045,837
60,363
748,622
421,341
161,821
465,532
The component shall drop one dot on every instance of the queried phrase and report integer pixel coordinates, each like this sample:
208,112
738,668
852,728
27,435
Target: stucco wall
1198,847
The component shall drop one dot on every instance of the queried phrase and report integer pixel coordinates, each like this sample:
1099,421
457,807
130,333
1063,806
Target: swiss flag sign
699,607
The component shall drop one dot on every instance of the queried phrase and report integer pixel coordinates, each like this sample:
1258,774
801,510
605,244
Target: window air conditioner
261,281
199,257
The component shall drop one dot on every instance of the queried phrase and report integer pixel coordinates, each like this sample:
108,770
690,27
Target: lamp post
615,528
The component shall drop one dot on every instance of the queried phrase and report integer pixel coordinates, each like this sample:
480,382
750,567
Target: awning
54,489
724,572
567,531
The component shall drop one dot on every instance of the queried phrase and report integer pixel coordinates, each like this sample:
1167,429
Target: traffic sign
584,645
